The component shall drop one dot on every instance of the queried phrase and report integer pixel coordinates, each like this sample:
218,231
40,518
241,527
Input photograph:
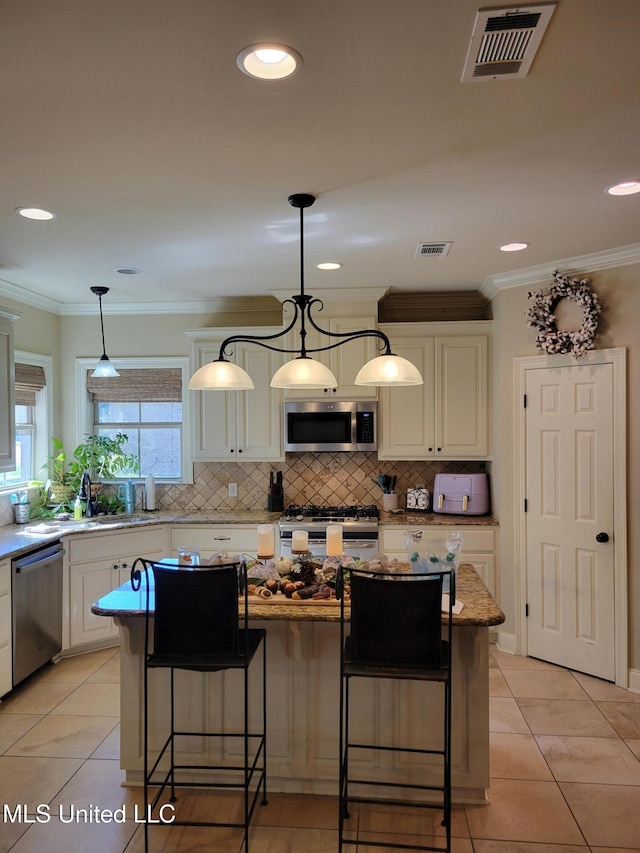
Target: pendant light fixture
104,367
303,371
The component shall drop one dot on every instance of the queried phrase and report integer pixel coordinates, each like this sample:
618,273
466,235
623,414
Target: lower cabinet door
87,584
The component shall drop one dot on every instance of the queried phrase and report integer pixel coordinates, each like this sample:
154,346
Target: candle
334,540
299,542
266,542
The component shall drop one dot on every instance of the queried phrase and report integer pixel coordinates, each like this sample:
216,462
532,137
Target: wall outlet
233,490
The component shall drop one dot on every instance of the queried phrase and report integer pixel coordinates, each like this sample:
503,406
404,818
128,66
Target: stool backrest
196,612
396,619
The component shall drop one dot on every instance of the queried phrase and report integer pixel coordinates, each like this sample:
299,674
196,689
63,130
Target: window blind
29,379
151,385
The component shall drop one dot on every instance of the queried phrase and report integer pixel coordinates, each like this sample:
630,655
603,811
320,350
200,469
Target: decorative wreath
540,315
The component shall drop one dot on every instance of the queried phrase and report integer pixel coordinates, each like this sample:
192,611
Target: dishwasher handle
38,559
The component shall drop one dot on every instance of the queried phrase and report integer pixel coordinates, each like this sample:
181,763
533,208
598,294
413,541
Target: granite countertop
480,609
16,539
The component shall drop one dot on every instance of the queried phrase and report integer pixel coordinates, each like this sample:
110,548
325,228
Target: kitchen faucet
85,494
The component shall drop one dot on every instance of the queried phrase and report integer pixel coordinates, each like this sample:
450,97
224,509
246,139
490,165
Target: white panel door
569,489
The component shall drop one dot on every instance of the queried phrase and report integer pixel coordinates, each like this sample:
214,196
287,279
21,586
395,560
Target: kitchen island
303,686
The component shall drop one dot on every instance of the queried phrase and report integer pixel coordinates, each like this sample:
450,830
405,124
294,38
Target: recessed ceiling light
269,61
514,247
624,188
329,265
128,270
36,213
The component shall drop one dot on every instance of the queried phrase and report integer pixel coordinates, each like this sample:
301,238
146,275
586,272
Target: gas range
314,514
359,527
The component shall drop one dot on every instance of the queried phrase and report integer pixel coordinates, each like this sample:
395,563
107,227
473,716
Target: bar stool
193,618
392,629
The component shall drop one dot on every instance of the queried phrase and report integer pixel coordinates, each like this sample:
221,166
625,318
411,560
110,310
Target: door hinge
524,401
526,610
525,504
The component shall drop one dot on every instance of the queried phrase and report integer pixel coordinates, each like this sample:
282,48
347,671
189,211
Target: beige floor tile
108,673
10,833
110,746
605,691
497,683
269,839
590,759
507,661
608,815
73,669
188,839
524,811
64,737
299,810
481,846
515,756
543,684
565,717
623,716
458,845
98,783
92,699
634,746
59,837
505,716
13,726
33,780
615,849
401,820
36,698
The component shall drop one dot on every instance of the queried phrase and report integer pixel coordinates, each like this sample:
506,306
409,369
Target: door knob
602,537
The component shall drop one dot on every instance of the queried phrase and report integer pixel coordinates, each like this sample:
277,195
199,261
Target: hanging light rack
303,371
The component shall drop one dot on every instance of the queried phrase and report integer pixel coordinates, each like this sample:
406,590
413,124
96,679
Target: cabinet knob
240,450
439,449
231,450
431,450
602,537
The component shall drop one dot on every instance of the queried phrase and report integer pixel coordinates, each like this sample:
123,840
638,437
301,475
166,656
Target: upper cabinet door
448,416
7,394
239,425
461,397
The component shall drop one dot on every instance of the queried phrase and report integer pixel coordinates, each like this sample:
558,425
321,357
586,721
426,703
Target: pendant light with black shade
104,368
303,371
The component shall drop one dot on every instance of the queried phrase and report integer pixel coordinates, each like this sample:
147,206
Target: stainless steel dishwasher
36,596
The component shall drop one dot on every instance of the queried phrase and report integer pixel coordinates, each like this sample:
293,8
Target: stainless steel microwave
331,425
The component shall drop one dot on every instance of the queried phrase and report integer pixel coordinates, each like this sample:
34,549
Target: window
33,418
146,401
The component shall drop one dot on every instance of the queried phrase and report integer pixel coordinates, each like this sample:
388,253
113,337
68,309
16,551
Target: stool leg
173,762
146,757
264,721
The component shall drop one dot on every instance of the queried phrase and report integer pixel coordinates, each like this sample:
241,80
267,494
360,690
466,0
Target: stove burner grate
316,511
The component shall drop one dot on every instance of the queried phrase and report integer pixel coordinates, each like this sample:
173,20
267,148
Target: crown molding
579,266
235,305
27,297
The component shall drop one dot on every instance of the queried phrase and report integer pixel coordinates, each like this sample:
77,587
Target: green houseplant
104,457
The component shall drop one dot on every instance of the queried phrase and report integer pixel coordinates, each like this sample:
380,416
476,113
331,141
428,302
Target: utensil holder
22,513
389,502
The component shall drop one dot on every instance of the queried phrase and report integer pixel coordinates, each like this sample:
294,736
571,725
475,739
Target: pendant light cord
104,349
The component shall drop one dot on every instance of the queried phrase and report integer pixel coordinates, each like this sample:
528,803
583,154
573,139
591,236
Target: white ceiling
130,119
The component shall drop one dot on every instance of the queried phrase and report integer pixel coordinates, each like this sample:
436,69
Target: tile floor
565,768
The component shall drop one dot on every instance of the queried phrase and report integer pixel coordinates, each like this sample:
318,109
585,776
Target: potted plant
104,457
61,481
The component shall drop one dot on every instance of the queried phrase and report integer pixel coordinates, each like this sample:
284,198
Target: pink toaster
461,494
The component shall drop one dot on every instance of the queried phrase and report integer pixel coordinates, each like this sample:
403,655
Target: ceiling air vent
504,41
433,250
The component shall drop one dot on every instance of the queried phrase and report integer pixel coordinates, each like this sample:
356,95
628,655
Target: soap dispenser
77,509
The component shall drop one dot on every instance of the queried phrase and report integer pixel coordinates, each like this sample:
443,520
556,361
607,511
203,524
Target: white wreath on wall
540,315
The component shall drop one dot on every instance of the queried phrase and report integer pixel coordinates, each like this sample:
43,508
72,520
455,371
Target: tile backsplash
320,478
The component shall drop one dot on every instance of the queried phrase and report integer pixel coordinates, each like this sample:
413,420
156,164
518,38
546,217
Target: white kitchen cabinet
98,563
479,547
239,425
6,664
344,361
448,416
7,392
211,538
